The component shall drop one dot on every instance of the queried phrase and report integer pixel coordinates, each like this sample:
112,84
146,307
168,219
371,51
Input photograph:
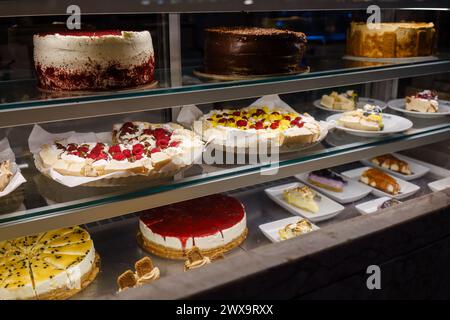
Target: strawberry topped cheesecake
93,60
137,147
274,125
214,224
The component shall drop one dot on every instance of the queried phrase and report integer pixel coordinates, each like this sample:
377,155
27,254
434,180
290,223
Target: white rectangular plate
271,229
371,206
417,169
352,191
440,185
406,188
327,207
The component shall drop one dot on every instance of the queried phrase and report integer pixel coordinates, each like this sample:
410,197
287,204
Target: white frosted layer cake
93,60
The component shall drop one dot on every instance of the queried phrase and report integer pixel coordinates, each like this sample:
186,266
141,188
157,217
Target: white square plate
270,229
327,207
439,185
406,188
352,191
417,169
371,206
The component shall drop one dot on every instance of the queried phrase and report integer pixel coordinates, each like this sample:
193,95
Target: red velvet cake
93,60
214,224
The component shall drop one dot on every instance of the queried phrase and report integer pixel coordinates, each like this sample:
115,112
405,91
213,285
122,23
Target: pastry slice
367,119
46,277
380,180
302,197
327,179
389,203
126,280
390,162
293,230
425,101
5,174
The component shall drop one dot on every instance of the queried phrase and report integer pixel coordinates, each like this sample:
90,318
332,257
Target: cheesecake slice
424,101
327,179
302,197
380,180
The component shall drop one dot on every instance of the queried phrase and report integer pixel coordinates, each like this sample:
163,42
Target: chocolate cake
252,51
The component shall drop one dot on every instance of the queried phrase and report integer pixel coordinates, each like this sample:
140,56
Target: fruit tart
251,125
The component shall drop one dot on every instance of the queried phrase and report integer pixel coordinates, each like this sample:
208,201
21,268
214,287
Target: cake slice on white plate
424,101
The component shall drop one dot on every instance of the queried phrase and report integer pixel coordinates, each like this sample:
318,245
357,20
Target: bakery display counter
23,103
115,240
43,203
279,148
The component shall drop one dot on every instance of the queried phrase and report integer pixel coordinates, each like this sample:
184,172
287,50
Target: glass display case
180,87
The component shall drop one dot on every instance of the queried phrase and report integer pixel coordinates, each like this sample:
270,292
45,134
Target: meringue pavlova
252,125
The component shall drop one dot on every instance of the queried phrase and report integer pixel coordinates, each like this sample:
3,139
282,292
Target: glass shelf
22,102
42,204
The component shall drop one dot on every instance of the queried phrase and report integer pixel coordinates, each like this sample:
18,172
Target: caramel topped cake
390,162
391,40
252,51
380,180
93,60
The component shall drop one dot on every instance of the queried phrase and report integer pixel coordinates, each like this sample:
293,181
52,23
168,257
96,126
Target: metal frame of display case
117,103
91,210
48,7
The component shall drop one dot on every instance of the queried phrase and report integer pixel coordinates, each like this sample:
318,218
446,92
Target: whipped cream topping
83,52
148,277
188,265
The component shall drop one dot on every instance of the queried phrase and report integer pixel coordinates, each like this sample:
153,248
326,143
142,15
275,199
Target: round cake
255,127
51,265
390,40
252,51
214,224
93,60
